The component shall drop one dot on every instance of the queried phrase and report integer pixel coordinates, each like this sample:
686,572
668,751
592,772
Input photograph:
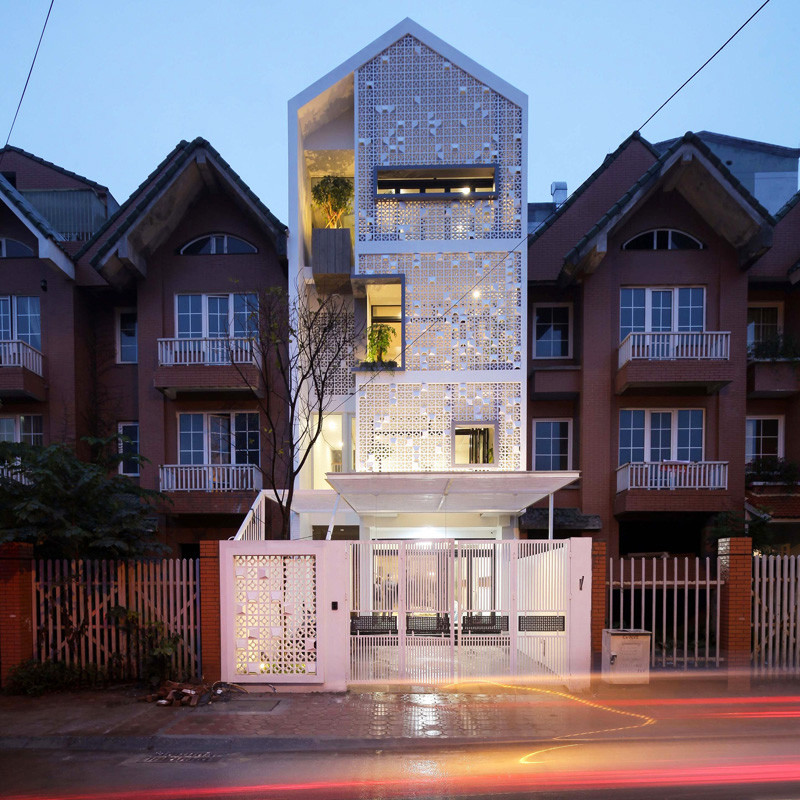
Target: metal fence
776,616
108,615
677,599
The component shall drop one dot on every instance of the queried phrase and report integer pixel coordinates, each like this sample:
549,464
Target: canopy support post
329,532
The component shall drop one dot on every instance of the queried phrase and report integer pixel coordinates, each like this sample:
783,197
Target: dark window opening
217,244
663,239
442,183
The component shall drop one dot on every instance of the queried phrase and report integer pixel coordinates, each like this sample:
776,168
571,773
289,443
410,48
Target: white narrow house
433,445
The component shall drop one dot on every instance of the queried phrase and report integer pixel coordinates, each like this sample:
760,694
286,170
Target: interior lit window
384,304
334,450
445,182
473,444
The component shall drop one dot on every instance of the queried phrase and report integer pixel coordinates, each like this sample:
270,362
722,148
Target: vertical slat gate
776,617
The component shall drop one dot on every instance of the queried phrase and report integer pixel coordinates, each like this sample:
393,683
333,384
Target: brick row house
126,320
662,362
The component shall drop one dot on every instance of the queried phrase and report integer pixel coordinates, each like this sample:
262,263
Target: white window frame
121,465
118,322
204,309
778,304
474,423
648,306
3,240
568,420
669,231
213,237
568,306
781,433
12,298
18,427
648,412
207,434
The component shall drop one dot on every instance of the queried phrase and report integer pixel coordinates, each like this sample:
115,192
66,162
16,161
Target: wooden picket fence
79,620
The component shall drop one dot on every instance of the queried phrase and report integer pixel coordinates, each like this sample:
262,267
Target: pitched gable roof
590,249
111,238
50,165
49,239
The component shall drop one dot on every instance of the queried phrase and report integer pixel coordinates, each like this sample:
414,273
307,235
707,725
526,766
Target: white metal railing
671,345
776,615
673,475
15,353
183,352
209,477
253,527
14,472
677,599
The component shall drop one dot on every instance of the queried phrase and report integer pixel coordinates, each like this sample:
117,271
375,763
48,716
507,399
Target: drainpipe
550,516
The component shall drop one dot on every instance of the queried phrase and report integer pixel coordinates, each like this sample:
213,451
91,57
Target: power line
705,63
30,72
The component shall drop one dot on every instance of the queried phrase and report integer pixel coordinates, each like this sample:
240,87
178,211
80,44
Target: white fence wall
72,601
776,616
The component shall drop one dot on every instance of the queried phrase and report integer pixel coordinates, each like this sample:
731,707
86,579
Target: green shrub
35,678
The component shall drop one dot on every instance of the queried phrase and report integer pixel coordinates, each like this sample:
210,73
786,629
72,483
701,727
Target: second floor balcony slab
674,362
209,488
21,371
773,379
672,486
229,365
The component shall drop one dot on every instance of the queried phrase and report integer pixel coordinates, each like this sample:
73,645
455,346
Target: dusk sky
118,84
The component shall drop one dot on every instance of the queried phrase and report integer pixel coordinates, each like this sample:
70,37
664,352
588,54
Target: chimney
559,191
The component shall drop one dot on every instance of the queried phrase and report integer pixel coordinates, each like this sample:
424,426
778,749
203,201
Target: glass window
128,338
473,445
11,248
219,438
552,325
764,324
763,438
217,316
632,311
28,320
129,446
30,429
631,436
217,244
190,316
551,445
661,310
663,239
691,308
8,429
247,439
190,444
5,318
690,435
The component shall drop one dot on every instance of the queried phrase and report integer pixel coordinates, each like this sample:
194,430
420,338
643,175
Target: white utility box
626,656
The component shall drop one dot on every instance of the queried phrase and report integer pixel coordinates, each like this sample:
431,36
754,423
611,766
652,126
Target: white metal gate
776,616
434,611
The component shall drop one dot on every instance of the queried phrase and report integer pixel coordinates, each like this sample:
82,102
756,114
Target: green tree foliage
333,195
379,337
70,508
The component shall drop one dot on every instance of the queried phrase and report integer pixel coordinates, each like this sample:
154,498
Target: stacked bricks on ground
16,606
210,611
736,569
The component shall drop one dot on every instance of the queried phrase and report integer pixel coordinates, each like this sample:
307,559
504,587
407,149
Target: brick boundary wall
210,632
736,569
16,606
599,595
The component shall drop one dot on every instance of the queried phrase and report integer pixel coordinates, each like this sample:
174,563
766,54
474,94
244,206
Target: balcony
672,486
209,488
21,371
674,362
773,378
207,365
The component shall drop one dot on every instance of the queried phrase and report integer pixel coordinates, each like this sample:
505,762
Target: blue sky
118,84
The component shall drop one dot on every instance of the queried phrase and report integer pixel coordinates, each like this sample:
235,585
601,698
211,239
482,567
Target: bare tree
304,349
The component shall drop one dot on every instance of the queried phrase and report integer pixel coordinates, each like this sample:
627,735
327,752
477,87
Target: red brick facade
599,595
16,610
210,635
736,570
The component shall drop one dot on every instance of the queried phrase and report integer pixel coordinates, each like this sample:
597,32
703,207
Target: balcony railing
184,352
209,478
705,345
15,353
673,475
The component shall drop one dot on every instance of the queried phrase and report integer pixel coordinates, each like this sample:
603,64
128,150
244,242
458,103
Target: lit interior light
464,190
331,424
476,293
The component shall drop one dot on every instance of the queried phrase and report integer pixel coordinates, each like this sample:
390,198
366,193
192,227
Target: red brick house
131,310
651,290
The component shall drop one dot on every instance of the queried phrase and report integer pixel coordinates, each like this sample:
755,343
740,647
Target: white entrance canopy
452,492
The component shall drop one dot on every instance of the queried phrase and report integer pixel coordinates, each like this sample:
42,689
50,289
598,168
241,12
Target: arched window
216,244
11,248
663,239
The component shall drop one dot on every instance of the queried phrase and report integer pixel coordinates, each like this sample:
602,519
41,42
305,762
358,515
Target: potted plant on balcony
379,337
330,246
